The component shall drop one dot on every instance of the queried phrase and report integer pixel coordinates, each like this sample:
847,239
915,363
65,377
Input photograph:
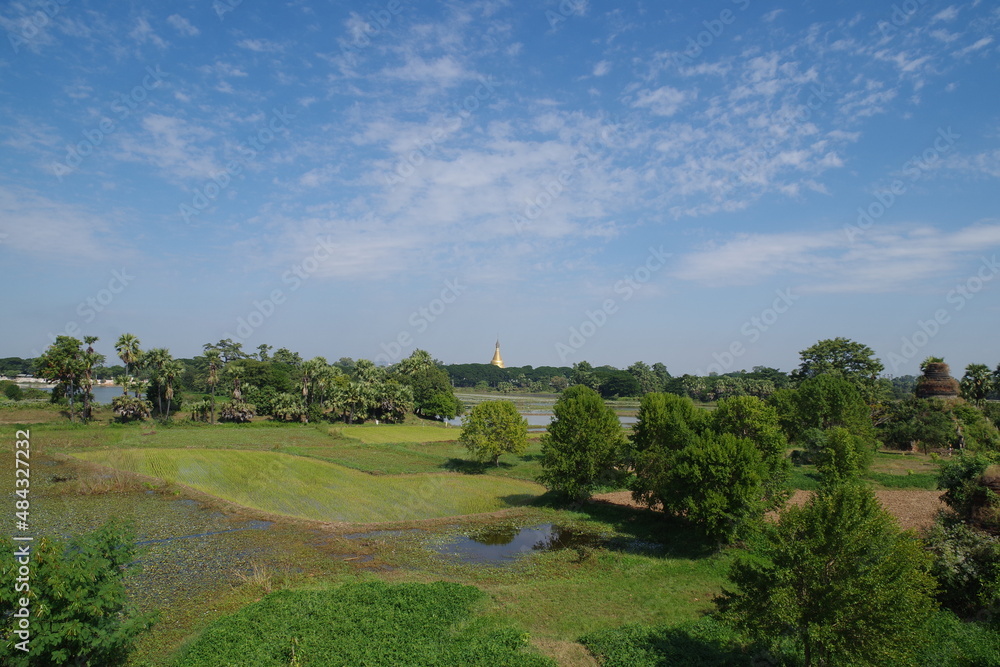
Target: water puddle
251,525
502,544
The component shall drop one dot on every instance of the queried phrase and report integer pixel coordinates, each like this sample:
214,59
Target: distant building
497,359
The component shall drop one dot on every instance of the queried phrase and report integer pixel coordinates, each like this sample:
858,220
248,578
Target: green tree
285,356
751,418
967,565
717,483
666,424
827,401
977,383
127,349
80,614
836,577
644,375
493,428
90,360
851,360
619,384
840,456
583,374
583,444
63,363
433,395
214,360
962,479
170,374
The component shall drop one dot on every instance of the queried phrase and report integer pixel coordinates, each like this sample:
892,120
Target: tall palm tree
214,358
169,374
154,361
90,359
128,351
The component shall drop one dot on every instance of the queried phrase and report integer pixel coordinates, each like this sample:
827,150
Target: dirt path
914,508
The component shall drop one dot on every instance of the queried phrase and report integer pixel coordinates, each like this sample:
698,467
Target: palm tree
214,359
976,383
171,370
90,359
128,351
154,361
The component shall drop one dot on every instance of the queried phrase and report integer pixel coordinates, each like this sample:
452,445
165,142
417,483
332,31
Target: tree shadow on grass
701,643
468,467
643,530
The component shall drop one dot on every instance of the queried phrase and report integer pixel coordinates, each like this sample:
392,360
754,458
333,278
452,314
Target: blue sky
711,185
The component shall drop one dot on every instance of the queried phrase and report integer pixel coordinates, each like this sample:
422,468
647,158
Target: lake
102,394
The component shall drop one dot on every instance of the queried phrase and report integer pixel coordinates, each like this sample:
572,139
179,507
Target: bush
962,479
130,408
967,565
237,412
79,609
11,391
371,623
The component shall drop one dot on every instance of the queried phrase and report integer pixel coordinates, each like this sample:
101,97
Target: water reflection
504,543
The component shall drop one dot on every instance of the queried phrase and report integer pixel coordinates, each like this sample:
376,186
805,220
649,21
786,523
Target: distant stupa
497,359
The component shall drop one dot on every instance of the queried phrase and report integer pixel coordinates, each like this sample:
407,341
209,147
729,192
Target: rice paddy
307,488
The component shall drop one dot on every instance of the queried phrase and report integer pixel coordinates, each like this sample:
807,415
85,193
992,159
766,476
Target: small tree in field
583,444
79,614
493,428
838,578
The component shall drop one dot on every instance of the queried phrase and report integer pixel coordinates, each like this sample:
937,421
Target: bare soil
914,508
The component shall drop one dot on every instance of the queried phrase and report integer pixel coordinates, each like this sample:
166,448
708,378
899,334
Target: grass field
393,433
307,488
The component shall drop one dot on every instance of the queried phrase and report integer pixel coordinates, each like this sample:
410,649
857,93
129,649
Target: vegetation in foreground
370,623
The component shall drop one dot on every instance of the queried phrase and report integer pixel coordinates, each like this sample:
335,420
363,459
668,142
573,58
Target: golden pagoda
497,359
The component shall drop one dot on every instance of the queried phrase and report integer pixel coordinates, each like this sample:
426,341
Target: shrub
370,623
79,609
238,412
11,391
130,408
967,565
962,478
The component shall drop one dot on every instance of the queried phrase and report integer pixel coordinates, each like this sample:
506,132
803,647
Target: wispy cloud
888,260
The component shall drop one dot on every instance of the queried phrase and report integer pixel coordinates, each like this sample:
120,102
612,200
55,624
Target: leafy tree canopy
838,578
583,444
493,428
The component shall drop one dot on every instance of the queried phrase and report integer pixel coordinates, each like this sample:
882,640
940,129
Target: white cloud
444,71
260,45
143,33
182,25
664,101
602,68
37,226
173,145
879,260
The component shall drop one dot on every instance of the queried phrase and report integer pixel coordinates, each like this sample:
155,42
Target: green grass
307,488
394,433
407,458
370,623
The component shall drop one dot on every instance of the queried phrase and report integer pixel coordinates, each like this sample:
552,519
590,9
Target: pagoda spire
497,359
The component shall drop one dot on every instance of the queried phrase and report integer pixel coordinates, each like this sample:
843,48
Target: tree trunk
213,403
